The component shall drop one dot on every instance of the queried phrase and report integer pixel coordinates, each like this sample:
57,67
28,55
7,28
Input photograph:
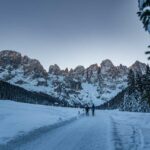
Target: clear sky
73,32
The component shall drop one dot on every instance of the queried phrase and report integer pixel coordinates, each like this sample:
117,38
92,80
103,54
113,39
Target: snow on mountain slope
19,118
97,83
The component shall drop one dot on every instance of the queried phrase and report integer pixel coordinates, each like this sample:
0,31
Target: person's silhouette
87,110
93,110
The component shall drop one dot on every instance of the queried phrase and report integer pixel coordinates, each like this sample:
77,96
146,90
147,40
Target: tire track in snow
116,138
131,139
137,139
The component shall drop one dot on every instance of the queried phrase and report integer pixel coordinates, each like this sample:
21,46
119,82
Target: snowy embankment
18,119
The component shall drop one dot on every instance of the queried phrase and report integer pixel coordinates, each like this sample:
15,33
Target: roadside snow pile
19,118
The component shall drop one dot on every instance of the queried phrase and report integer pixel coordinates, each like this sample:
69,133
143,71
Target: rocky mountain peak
33,67
93,67
9,53
65,72
79,70
92,73
26,66
9,57
122,69
54,69
77,73
138,67
106,65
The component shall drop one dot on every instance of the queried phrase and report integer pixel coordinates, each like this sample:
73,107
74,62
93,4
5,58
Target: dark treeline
136,97
115,102
12,92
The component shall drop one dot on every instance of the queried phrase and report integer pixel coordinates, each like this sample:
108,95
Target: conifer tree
131,81
138,83
146,84
144,15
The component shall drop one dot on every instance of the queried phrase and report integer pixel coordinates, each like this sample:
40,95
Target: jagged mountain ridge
97,83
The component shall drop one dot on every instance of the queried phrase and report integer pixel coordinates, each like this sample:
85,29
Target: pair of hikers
87,108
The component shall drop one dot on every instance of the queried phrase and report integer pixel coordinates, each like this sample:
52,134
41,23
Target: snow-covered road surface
87,133
36,127
108,130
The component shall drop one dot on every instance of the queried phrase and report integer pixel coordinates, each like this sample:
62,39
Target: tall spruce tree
131,81
138,83
146,84
144,15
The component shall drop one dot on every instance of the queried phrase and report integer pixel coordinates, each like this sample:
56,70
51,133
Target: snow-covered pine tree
131,82
146,84
128,98
144,13
138,83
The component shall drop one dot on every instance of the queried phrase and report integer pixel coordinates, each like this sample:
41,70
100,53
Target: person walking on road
93,110
87,110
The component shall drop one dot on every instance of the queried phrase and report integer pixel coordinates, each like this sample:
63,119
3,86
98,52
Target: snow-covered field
19,118
108,130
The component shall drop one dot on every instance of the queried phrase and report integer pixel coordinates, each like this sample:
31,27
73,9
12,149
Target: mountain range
97,83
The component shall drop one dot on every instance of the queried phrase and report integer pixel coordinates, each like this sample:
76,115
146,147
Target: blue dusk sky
73,32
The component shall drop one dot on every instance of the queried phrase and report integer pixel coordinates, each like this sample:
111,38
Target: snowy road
108,130
87,133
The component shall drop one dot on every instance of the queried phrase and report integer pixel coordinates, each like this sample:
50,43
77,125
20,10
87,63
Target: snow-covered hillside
19,118
97,83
